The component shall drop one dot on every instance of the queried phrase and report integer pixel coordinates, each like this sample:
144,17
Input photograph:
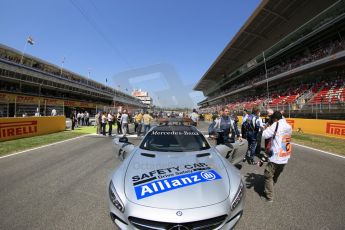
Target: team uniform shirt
147,119
226,124
138,118
281,145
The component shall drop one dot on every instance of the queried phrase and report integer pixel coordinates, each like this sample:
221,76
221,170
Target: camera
260,163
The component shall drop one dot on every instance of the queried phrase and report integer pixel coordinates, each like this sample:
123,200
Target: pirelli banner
20,127
331,128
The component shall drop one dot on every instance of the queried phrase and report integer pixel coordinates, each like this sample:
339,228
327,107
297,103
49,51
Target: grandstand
289,55
32,83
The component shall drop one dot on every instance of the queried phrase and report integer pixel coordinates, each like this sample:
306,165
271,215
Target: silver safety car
176,180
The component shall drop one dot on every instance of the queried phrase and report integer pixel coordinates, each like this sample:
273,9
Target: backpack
250,124
269,142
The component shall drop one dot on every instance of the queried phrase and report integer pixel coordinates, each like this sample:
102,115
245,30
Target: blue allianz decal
166,185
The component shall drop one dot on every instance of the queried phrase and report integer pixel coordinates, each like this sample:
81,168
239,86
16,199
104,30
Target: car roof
175,121
177,128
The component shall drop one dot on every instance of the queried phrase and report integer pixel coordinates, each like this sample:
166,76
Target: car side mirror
123,139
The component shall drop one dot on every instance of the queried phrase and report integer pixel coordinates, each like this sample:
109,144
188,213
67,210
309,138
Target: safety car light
114,197
238,196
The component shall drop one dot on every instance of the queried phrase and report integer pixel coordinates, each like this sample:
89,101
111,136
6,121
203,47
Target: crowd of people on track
275,131
122,121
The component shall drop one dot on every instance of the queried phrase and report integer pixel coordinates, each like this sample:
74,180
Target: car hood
176,180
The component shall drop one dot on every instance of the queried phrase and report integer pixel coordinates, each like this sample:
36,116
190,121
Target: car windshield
174,139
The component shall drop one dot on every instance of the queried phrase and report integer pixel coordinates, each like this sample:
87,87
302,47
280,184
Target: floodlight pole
268,94
21,59
63,61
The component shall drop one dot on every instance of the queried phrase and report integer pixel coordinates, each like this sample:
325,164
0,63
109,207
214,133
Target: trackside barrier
329,128
19,127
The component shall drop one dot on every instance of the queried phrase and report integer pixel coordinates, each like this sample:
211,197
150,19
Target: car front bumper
171,217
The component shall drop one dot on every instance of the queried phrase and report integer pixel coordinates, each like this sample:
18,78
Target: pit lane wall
330,128
19,127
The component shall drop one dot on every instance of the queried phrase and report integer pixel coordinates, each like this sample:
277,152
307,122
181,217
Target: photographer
280,132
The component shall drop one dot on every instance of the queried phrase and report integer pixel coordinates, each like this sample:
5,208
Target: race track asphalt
64,187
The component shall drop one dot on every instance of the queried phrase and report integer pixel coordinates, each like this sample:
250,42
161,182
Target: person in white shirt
104,122
124,122
280,132
37,114
110,123
53,112
259,136
78,118
195,117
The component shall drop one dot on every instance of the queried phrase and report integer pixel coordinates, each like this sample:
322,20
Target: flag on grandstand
30,40
106,80
63,60
118,86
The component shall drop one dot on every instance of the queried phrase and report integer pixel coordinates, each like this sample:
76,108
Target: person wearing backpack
252,126
243,131
280,132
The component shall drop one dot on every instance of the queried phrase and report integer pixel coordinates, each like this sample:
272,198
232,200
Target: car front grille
207,224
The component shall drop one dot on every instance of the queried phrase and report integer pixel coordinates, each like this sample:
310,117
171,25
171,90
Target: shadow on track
255,181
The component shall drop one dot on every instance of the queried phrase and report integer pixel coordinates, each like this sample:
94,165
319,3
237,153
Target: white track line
43,146
13,154
333,154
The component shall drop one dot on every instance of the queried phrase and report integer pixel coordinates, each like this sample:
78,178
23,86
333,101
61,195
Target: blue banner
168,184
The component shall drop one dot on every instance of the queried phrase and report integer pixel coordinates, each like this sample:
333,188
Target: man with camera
279,151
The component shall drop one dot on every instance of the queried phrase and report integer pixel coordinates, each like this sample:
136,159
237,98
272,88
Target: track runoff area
63,186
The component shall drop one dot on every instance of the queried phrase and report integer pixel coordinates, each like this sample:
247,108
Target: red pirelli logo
291,122
335,128
19,128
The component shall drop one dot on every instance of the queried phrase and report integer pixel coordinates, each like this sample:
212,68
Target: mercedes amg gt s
174,180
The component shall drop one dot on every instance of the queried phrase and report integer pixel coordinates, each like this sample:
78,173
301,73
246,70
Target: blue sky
163,47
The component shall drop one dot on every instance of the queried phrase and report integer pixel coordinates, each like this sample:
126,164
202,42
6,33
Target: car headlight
114,197
238,196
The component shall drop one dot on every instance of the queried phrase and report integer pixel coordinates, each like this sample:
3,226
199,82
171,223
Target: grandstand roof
270,22
19,53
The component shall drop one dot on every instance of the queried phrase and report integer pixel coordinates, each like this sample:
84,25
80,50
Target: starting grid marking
43,146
